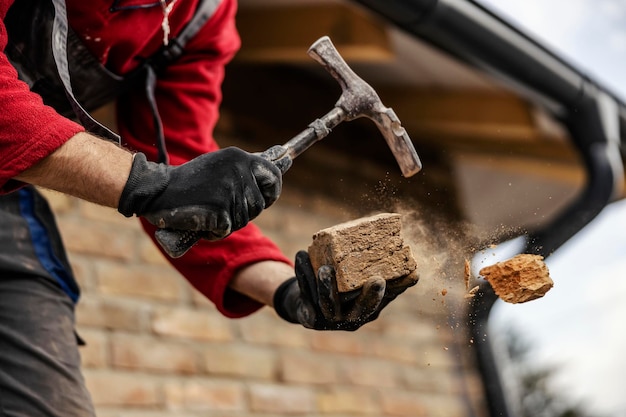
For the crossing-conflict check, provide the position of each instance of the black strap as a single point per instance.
(59, 51)
(175, 47)
(156, 117)
(165, 56)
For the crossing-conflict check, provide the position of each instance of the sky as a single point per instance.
(579, 324)
(591, 34)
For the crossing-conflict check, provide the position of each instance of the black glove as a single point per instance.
(215, 193)
(315, 303)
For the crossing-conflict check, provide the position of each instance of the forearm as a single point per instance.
(86, 167)
(259, 281)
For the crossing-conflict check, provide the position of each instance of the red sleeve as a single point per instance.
(29, 130)
(188, 96)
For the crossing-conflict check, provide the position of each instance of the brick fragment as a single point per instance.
(363, 248)
(520, 279)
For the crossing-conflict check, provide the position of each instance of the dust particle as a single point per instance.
(467, 274)
(471, 293)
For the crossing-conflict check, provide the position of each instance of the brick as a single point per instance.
(98, 238)
(280, 399)
(149, 354)
(112, 314)
(404, 327)
(368, 372)
(83, 269)
(393, 349)
(404, 404)
(429, 380)
(159, 283)
(240, 361)
(267, 328)
(198, 299)
(308, 368)
(339, 342)
(442, 405)
(363, 248)
(349, 401)
(202, 395)
(95, 354)
(115, 389)
(438, 356)
(191, 324)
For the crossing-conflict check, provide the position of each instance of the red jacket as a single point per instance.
(188, 96)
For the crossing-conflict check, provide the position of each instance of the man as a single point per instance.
(172, 102)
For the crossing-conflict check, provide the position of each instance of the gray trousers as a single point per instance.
(39, 359)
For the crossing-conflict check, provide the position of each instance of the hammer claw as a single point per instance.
(359, 99)
(399, 142)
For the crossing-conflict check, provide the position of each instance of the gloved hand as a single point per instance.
(215, 193)
(315, 303)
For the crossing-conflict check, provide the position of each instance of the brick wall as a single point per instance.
(156, 348)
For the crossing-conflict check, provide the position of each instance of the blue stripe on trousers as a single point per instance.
(43, 247)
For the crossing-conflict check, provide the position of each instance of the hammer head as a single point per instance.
(359, 99)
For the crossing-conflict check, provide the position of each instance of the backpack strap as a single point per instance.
(59, 51)
(175, 47)
(166, 55)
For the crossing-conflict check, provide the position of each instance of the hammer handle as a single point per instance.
(177, 242)
(316, 131)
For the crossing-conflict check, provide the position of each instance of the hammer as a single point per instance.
(358, 99)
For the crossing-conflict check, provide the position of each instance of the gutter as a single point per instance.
(594, 117)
